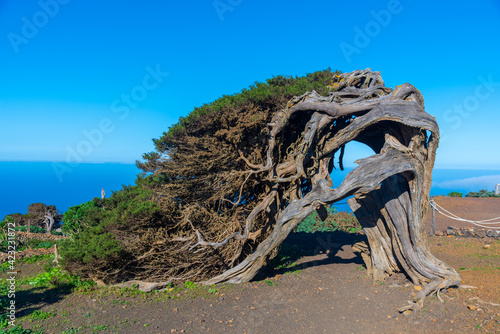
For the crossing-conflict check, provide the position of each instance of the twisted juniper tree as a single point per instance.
(228, 186)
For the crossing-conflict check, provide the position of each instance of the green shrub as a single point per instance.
(33, 229)
(109, 235)
(35, 243)
(455, 194)
(335, 221)
(79, 216)
(482, 194)
(90, 224)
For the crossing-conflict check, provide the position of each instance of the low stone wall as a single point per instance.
(24, 236)
(27, 253)
(469, 232)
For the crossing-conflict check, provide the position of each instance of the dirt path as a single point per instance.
(326, 291)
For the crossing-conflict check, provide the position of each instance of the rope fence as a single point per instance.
(493, 223)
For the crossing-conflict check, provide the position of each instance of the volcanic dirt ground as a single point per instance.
(316, 284)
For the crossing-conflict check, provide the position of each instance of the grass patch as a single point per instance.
(270, 282)
(19, 330)
(101, 328)
(41, 315)
(72, 330)
(38, 258)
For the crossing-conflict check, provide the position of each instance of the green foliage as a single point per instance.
(53, 276)
(90, 224)
(38, 258)
(79, 216)
(455, 194)
(101, 328)
(19, 330)
(313, 223)
(190, 285)
(41, 315)
(4, 224)
(482, 193)
(335, 221)
(270, 283)
(91, 244)
(112, 233)
(33, 229)
(43, 279)
(260, 93)
(4, 267)
(72, 330)
(35, 243)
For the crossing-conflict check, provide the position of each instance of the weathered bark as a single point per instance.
(49, 222)
(240, 180)
(391, 188)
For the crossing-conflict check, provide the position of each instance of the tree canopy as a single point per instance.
(228, 183)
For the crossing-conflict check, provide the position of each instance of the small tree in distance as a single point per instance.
(46, 216)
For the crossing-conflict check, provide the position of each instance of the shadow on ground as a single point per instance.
(35, 298)
(303, 250)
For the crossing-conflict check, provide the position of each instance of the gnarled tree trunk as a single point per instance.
(234, 182)
(390, 188)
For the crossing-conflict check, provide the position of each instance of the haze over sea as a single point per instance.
(23, 183)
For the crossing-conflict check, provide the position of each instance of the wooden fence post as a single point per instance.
(433, 224)
(28, 234)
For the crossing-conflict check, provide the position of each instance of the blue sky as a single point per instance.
(87, 81)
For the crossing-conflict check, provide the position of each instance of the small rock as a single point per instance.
(491, 233)
(450, 231)
(439, 233)
(469, 233)
(472, 307)
(486, 246)
(394, 286)
(175, 309)
(480, 233)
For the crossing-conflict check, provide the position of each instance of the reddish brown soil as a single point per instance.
(465, 207)
(326, 291)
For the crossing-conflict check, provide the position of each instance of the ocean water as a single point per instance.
(23, 183)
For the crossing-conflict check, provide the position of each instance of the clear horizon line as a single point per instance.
(133, 163)
(79, 163)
